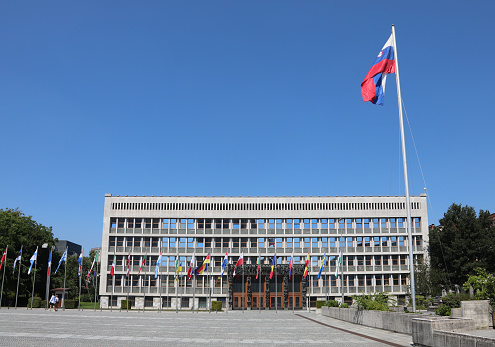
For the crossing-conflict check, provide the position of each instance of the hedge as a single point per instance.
(36, 302)
(216, 305)
(125, 304)
(71, 303)
(320, 303)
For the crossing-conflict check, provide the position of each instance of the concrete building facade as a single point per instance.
(370, 231)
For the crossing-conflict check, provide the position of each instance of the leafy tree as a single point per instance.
(16, 230)
(483, 284)
(464, 242)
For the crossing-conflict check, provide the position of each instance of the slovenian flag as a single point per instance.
(80, 261)
(64, 258)
(274, 262)
(224, 264)
(373, 86)
(306, 267)
(49, 264)
(158, 262)
(239, 262)
(322, 265)
(32, 260)
(17, 259)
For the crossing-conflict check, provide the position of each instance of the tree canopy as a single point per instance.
(463, 242)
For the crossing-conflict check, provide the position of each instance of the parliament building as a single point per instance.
(370, 232)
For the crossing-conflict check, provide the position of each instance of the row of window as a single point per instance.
(262, 242)
(297, 223)
(262, 206)
(312, 280)
(348, 260)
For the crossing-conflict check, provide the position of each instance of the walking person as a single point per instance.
(53, 301)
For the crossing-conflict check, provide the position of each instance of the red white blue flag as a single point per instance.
(49, 264)
(373, 86)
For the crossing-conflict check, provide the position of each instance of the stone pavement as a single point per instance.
(68, 328)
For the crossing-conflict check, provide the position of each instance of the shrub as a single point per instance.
(443, 310)
(71, 303)
(454, 300)
(216, 305)
(376, 302)
(125, 304)
(36, 302)
(344, 305)
(332, 303)
(42, 304)
(320, 303)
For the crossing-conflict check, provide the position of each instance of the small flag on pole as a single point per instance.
(176, 272)
(306, 267)
(274, 263)
(4, 256)
(291, 262)
(112, 270)
(158, 262)
(128, 264)
(224, 264)
(64, 258)
(80, 261)
(190, 269)
(143, 263)
(17, 259)
(339, 262)
(259, 264)
(239, 262)
(49, 263)
(204, 266)
(32, 260)
(322, 265)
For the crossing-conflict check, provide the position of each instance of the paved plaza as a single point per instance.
(38, 327)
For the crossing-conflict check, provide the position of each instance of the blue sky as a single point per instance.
(238, 98)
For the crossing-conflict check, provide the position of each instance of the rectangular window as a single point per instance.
(395, 279)
(201, 224)
(138, 223)
(173, 223)
(367, 241)
(235, 242)
(253, 224)
(271, 224)
(261, 224)
(386, 280)
(130, 223)
(226, 242)
(314, 224)
(360, 260)
(165, 223)
(235, 223)
(172, 242)
(128, 242)
(418, 241)
(254, 242)
(378, 260)
(155, 223)
(306, 223)
(297, 224)
(331, 223)
(417, 223)
(350, 261)
(403, 260)
(218, 224)
(190, 242)
(147, 242)
(289, 242)
(393, 241)
(349, 242)
(359, 223)
(324, 224)
(244, 223)
(261, 242)
(113, 223)
(218, 242)
(147, 223)
(201, 242)
(324, 242)
(395, 259)
(360, 280)
(366, 222)
(401, 222)
(183, 223)
(376, 225)
(208, 223)
(378, 280)
(226, 223)
(401, 241)
(208, 242)
(349, 223)
(392, 222)
(384, 241)
(112, 241)
(182, 242)
(367, 260)
(137, 242)
(279, 224)
(383, 222)
(244, 242)
(359, 241)
(385, 260)
(376, 241)
(307, 242)
(288, 223)
(154, 242)
(314, 242)
(332, 241)
(190, 224)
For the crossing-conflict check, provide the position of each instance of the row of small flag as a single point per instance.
(34, 259)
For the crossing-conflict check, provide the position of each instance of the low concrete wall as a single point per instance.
(392, 321)
(424, 329)
(450, 339)
(479, 311)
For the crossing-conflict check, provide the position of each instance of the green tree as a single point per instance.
(464, 242)
(16, 230)
(483, 284)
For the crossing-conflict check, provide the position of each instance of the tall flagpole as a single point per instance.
(211, 281)
(65, 277)
(18, 278)
(34, 277)
(276, 289)
(406, 181)
(3, 277)
(96, 280)
(242, 300)
(80, 271)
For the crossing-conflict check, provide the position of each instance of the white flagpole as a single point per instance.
(406, 182)
(18, 278)
(34, 277)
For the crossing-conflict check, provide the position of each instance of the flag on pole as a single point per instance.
(224, 264)
(112, 270)
(95, 259)
(373, 85)
(259, 264)
(128, 264)
(80, 261)
(239, 262)
(50, 263)
(339, 262)
(190, 269)
(204, 266)
(274, 263)
(176, 272)
(306, 266)
(322, 265)
(64, 258)
(143, 263)
(291, 263)
(158, 262)
(4, 256)
(17, 259)
(32, 260)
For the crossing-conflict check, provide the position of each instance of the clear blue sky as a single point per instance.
(238, 98)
